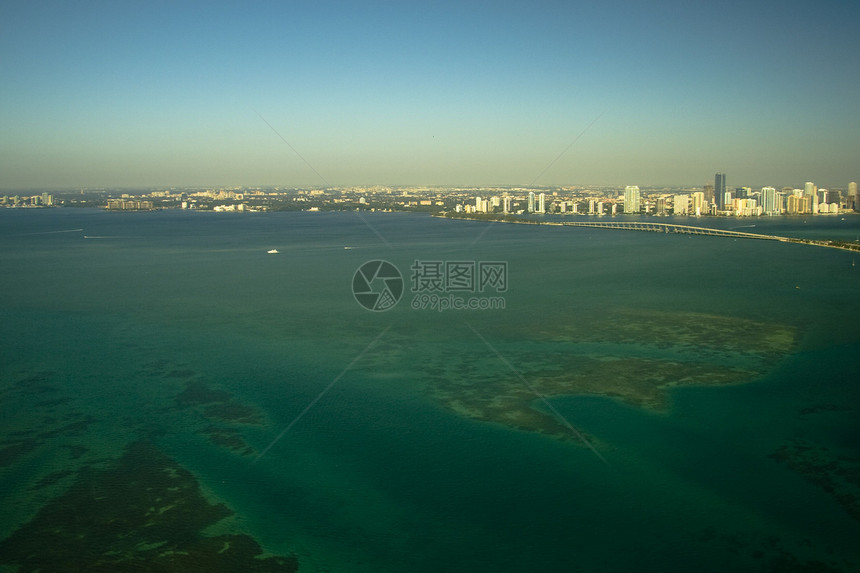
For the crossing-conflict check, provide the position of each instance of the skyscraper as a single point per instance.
(542, 203)
(770, 203)
(531, 201)
(631, 199)
(720, 190)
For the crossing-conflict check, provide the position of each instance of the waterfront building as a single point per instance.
(681, 204)
(798, 205)
(531, 206)
(542, 203)
(129, 205)
(746, 207)
(631, 199)
(697, 206)
(770, 203)
(720, 190)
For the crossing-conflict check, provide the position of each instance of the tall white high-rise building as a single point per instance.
(542, 203)
(681, 204)
(531, 201)
(478, 204)
(631, 199)
(770, 202)
(852, 188)
(507, 201)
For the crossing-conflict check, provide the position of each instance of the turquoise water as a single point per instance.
(108, 317)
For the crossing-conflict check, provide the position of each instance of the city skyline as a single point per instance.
(737, 202)
(336, 93)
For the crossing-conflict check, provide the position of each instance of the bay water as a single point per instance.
(107, 318)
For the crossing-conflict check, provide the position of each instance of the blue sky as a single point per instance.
(112, 94)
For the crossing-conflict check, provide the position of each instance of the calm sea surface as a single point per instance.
(177, 329)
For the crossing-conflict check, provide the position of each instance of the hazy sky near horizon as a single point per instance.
(114, 94)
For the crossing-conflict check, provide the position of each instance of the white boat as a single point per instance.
(272, 251)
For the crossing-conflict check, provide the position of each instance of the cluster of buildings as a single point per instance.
(129, 204)
(38, 200)
(711, 199)
(716, 199)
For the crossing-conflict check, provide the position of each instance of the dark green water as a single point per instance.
(108, 318)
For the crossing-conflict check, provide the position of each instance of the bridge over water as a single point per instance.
(853, 246)
(673, 228)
